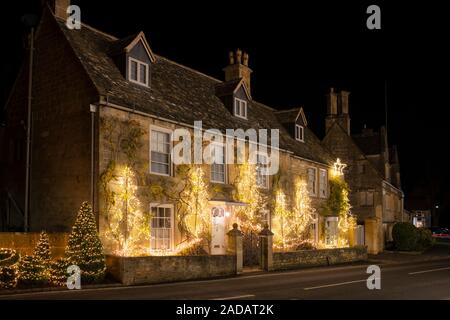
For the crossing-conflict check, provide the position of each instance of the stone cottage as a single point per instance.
(372, 172)
(104, 114)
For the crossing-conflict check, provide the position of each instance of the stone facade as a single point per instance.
(374, 179)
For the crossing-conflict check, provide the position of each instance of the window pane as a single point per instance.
(133, 70)
(143, 73)
(161, 232)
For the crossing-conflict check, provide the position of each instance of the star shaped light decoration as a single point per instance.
(338, 167)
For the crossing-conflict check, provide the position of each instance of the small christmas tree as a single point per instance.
(33, 269)
(42, 249)
(84, 247)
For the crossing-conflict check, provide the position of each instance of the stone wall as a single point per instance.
(24, 243)
(314, 258)
(146, 270)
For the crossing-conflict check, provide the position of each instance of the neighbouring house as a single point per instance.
(105, 111)
(420, 209)
(372, 172)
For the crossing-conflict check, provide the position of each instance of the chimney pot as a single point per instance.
(245, 62)
(231, 56)
(239, 56)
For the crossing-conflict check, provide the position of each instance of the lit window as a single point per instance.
(160, 152)
(262, 179)
(299, 133)
(312, 181)
(240, 108)
(138, 72)
(161, 231)
(323, 183)
(218, 169)
(314, 229)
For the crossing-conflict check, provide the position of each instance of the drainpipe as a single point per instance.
(28, 160)
(93, 109)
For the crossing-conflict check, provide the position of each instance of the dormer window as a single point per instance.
(138, 72)
(299, 133)
(240, 108)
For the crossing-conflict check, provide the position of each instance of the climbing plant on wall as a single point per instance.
(338, 204)
(126, 223)
(247, 191)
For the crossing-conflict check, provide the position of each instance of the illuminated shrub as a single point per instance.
(8, 268)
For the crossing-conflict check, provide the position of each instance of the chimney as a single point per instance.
(343, 102)
(332, 102)
(238, 68)
(337, 110)
(59, 7)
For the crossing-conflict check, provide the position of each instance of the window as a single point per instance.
(312, 182)
(366, 198)
(138, 72)
(262, 179)
(323, 183)
(161, 231)
(240, 108)
(299, 133)
(218, 166)
(160, 152)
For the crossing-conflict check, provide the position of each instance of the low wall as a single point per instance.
(314, 258)
(24, 242)
(154, 269)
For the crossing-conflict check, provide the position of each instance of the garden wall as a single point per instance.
(146, 270)
(314, 258)
(24, 243)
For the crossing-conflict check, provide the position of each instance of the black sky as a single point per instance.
(297, 52)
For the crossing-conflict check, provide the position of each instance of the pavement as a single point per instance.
(402, 277)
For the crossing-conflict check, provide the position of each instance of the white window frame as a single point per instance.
(138, 73)
(299, 129)
(172, 223)
(323, 186)
(164, 130)
(266, 186)
(241, 102)
(315, 181)
(225, 176)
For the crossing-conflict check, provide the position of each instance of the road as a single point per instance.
(419, 280)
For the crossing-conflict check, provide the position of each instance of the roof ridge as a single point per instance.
(93, 29)
(288, 110)
(189, 68)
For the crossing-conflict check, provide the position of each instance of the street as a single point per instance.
(417, 280)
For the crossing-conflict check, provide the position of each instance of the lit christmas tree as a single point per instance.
(34, 270)
(84, 247)
(42, 250)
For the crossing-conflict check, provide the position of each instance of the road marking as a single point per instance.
(335, 284)
(235, 297)
(426, 271)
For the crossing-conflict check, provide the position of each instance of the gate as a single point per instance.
(251, 252)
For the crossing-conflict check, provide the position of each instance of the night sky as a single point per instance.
(297, 52)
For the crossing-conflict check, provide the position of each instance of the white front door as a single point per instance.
(218, 231)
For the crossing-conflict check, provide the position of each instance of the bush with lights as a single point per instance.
(34, 270)
(9, 272)
(84, 247)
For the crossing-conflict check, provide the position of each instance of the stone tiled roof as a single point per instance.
(177, 92)
(287, 116)
(369, 144)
